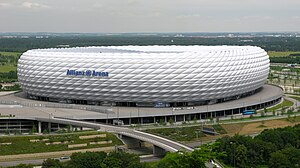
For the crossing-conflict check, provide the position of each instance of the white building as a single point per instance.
(158, 76)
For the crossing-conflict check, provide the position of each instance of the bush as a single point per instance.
(51, 163)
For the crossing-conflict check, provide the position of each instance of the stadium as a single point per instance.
(143, 76)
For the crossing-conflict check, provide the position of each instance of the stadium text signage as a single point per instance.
(91, 73)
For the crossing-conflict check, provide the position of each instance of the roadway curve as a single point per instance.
(163, 143)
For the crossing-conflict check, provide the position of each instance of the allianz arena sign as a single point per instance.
(91, 73)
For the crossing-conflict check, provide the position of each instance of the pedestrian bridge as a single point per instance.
(131, 137)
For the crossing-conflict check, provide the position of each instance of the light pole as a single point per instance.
(106, 116)
(197, 132)
(138, 115)
(118, 114)
(233, 151)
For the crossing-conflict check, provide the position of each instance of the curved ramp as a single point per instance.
(163, 143)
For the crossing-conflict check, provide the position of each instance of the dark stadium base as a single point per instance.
(144, 104)
(185, 117)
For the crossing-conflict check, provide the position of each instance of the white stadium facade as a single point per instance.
(143, 76)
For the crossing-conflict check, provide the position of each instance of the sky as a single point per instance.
(124, 16)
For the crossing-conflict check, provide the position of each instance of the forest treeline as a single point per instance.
(267, 43)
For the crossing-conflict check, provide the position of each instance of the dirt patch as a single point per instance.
(233, 128)
(253, 128)
(250, 128)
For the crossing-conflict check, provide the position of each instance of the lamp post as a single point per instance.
(106, 116)
(138, 115)
(233, 151)
(197, 135)
(197, 131)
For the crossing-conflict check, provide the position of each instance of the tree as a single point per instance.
(262, 114)
(293, 155)
(127, 160)
(241, 156)
(161, 122)
(69, 128)
(197, 158)
(195, 119)
(278, 159)
(88, 159)
(33, 130)
(51, 163)
(171, 121)
(111, 162)
(23, 166)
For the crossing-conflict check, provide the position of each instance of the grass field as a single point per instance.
(10, 53)
(177, 133)
(285, 104)
(22, 144)
(187, 133)
(7, 68)
(254, 127)
(295, 97)
(281, 54)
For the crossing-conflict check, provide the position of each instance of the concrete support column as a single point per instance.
(49, 126)
(131, 142)
(231, 112)
(39, 127)
(166, 119)
(184, 117)
(175, 119)
(141, 120)
(157, 151)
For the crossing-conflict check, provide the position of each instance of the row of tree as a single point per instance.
(287, 59)
(8, 59)
(278, 148)
(274, 148)
(196, 159)
(10, 76)
(268, 43)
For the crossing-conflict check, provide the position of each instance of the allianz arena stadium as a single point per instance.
(154, 76)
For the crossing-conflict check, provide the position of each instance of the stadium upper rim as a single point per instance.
(146, 49)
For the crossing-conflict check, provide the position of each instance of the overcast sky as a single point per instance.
(121, 16)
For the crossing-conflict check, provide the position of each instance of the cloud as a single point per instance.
(4, 5)
(34, 5)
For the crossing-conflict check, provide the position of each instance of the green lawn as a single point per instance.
(285, 103)
(22, 144)
(10, 54)
(281, 54)
(219, 129)
(187, 133)
(178, 133)
(7, 68)
(294, 97)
